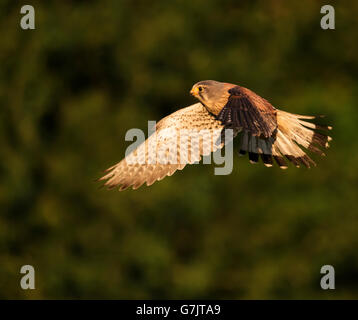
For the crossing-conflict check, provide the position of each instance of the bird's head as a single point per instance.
(210, 93)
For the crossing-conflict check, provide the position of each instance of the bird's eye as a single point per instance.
(200, 89)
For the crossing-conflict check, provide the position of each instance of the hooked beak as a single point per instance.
(194, 91)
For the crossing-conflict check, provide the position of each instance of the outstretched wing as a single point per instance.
(245, 109)
(180, 138)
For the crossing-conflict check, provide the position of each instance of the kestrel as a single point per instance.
(265, 131)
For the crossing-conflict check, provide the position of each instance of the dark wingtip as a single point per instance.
(253, 157)
(242, 153)
(267, 160)
(281, 162)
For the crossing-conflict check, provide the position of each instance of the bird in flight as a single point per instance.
(266, 132)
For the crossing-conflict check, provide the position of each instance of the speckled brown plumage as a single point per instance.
(187, 123)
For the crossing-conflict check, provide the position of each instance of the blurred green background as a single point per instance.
(91, 70)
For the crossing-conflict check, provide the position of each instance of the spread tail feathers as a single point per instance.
(293, 132)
